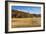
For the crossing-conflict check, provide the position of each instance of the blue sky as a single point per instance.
(29, 9)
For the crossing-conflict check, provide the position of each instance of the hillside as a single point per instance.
(20, 14)
(23, 19)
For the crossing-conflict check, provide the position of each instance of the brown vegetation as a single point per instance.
(20, 14)
(26, 22)
(22, 19)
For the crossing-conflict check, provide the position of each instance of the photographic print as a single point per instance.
(25, 16)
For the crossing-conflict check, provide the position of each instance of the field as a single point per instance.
(23, 19)
(26, 22)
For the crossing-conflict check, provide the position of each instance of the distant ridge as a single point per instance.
(22, 14)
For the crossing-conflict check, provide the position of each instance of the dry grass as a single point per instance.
(26, 22)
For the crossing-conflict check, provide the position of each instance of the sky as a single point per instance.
(28, 9)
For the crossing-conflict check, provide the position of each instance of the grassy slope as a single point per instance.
(26, 21)
(24, 14)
